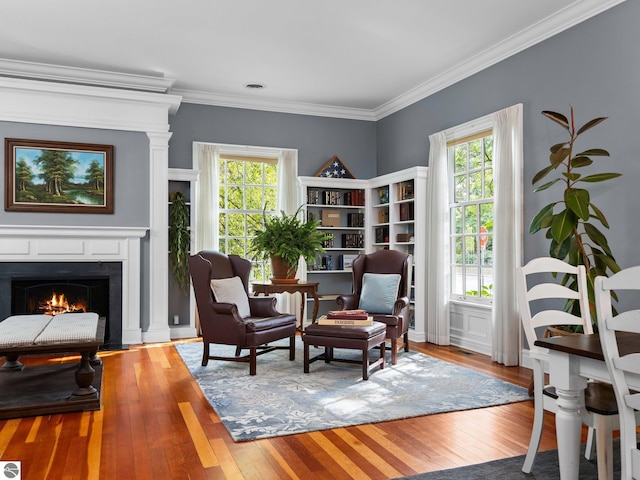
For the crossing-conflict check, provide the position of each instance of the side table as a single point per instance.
(303, 288)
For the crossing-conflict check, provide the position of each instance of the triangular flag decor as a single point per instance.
(334, 168)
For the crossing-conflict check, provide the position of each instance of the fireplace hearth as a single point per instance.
(52, 288)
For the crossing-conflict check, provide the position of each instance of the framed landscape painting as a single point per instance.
(60, 177)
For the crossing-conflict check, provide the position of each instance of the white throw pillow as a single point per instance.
(379, 292)
(231, 290)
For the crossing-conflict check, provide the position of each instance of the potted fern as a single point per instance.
(179, 240)
(573, 222)
(283, 239)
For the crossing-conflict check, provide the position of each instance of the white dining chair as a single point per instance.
(621, 367)
(548, 299)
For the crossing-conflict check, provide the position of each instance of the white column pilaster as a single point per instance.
(158, 329)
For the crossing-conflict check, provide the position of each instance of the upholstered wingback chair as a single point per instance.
(230, 316)
(371, 282)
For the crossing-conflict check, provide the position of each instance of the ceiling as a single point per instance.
(349, 58)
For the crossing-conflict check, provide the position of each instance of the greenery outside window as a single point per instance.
(472, 217)
(246, 187)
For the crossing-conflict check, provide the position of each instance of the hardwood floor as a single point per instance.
(156, 424)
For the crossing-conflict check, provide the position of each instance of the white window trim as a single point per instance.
(456, 133)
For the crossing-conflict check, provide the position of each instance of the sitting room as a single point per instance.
(146, 145)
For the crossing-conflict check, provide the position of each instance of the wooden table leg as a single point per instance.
(12, 364)
(303, 301)
(84, 378)
(316, 304)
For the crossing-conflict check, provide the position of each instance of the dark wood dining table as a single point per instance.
(572, 361)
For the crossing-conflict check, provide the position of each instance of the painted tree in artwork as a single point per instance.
(57, 167)
(24, 175)
(95, 175)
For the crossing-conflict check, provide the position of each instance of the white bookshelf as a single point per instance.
(396, 221)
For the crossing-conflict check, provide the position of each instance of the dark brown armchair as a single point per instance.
(397, 318)
(249, 322)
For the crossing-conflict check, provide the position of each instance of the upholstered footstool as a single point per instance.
(354, 337)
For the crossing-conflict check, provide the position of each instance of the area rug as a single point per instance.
(545, 467)
(282, 400)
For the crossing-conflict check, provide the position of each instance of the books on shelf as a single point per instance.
(405, 190)
(354, 198)
(406, 211)
(383, 215)
(330, 218)
(382, 234)
(332, 197)
(346, 260)
(383, 195)
(352, 240)
(313, 196)
(355, 219)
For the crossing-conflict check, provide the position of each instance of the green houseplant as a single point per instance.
(179, 240)
(286, 238)
(571, 223)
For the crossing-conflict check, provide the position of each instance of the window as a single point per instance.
(246, 187)
(471, 209)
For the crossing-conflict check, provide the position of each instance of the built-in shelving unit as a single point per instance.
(398, 221)
(388, 212)
(340, 205)
(182, 307)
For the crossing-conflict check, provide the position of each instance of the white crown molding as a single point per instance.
(37, 101)
(84, 76)
(571, 15)
(299, 108)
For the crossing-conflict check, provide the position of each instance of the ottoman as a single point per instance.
(355, 337)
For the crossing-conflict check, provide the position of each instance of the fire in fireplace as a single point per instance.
(58, 304)
(55, 296)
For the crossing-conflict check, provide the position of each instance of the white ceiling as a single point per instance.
(350, 58)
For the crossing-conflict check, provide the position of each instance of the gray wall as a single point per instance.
(594, 67)
(131, 175)
(316, 138)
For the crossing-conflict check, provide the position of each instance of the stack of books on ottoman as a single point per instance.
(346, 317)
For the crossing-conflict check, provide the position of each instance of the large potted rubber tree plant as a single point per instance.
(179, 240)
(283, 239)
(572, 222)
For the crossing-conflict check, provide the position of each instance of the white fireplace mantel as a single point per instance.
(84, 244)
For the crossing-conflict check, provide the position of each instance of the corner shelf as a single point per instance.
(394, 218)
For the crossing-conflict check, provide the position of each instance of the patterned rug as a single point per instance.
(282, 400)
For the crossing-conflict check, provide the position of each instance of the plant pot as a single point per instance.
(282, 273)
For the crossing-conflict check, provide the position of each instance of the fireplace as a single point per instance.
(52, 288)
(56, 296)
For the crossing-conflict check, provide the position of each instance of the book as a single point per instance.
(351, 314)
(345, 321)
